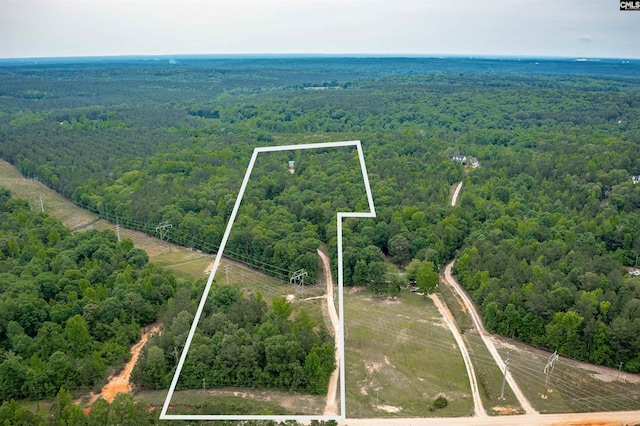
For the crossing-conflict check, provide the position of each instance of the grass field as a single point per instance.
(399, 358)
(575, 386)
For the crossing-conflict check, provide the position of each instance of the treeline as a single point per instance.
(70, 304)
(240, 341)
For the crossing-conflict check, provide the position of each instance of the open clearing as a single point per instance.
(291, 402)
(400, 357)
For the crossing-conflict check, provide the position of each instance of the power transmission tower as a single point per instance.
(118, 230)
(548, 369)
(163, 229)
(297, 278)
(504, 377)
(619, 368)
(41, 203)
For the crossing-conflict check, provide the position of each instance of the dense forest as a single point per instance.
(545, 230)
(241, 342)
(71, 305)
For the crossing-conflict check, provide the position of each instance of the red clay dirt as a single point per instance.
(120, 383)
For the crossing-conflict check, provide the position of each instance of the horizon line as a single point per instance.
(240, 55)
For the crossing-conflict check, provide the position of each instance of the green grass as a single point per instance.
(399, 353)
(293, 403)
(455, 304)
(488, 375)
(489, 378)
(574, 388)
(54, 204)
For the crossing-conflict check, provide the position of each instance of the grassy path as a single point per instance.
(450, 323)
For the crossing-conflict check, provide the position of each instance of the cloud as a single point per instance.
(585, 39)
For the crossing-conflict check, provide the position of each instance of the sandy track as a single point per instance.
(478, 409)
(486, 338)
(331, 408)
(454, 200)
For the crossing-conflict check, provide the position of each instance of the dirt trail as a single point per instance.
(486, 338)
(478, 409)
(454, 200)
(120, 383)
(331, 408)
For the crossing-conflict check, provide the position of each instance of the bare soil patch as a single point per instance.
(506, 411)
(120, 383)
(389, 408)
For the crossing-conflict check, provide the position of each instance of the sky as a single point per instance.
(542, 28)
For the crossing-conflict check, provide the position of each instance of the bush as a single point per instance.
(440, 402)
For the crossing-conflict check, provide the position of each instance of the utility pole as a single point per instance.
(41, 203)
(298, 278)
(226, 272)
(118, 230)
(548, 369)
(204, 388)
(619, 368)
(36, 396)
(504, 377)
(163, 229)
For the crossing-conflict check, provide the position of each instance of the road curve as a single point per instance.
(331, 407)
(478, 409)
(486, 338)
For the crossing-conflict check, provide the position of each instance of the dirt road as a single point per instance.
(486, 338)
(565, 419)
(454, 200)
(331, 407)
(120, 383)
(478, 409)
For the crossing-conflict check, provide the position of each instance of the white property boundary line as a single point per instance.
(216, 264)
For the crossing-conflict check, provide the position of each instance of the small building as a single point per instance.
(292, 170)
(474, 162)
(635, 178)
(460, 158)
